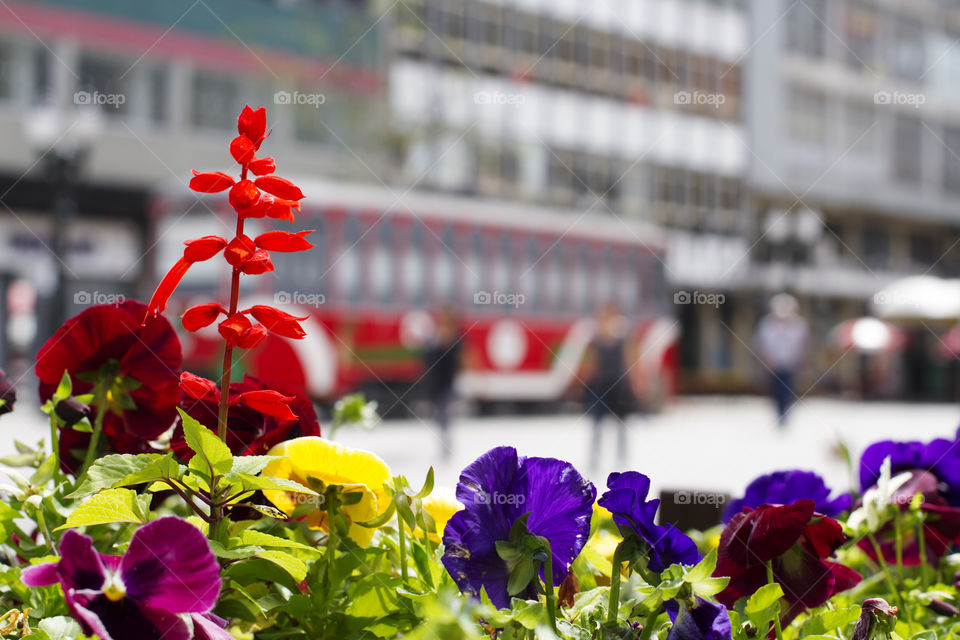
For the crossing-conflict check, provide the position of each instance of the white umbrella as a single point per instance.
(867, 335)
(918, 298)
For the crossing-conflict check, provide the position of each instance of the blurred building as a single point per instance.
(853, 170)
(613, 108)
(101, 100)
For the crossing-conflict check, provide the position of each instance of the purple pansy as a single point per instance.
(941, 457)
(705, 621)
(496, 490)
(164, 586)
(626, 499)
(786, 487)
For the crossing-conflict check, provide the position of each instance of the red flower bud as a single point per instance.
(252, 123)
(204, 248)
(252, 337)
(258, 263)
(158, 302)
(239, 250)
(198, 388)
(267, 401)
(210, 181)
(242, 149)
(283, 241)
(201, 315)
(279, 187)
(263, 166)
(233, 327)
(277, 321)
(244, 194)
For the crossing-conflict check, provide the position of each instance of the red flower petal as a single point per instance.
(252, 337)
(198, 388)
(258, 263)
(263, 166)
(283, 241)
(776, 528)
(267, 401)
(277, 321)
(242, 149)
(158, 302)
(282, 209)
(244, 194)
(210, 181)
(239, 250)
(823, 536)
(233, 327)
(201, 315)
(253, 124)
(280, 187)
(203, 248)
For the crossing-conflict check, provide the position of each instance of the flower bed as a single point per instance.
(169, 506)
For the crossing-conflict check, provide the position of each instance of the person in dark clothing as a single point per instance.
(441, 362)
(608, 385)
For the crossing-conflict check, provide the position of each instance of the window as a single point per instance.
(381, 265)
(214, 100)
(876, 248)
(349, 267)
(923, 251)
(41, 88)
(806, 115)
(445, 266)
(859, 130)
(862, 26)
(414, 276)
(905, 49)
(102, 82)
(6, 70)
(951, 160)
(908, 141)
(806, 33)
(158, 89)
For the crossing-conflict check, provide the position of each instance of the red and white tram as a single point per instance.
(523, 280)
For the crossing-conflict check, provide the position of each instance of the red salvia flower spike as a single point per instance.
(267, 401)
(243, 195)
(242, 149)
(201, 315)
(258, 263)
(198, 388)
(233, 327)
(283, 241)
(239, 250)
(280, 187)
(262, 166)
(203, 248)
(158, 302)
(211, 181)
(253, 124)
(252, 337)
(278, 322)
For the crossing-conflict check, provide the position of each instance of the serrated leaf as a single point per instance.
(703, 569)
(266, 483)
(204, 443)
(110, 505)
(296, 567)
(250, 464)
(108, 472)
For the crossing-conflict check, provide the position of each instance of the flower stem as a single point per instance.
(548, 589)
(886, 573)
(776, 620)
(226, 369)
(923, 555)
(648, 624)
(402, 539)
(94, 446)
(55, 445)
(899, 542)
(613, 607)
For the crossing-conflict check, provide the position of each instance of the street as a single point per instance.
(698, 443)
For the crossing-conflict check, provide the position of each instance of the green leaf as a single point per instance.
(296, 567)
(427, 488)
(254, 537)
(249, 482)
(60, 628)
(704, 568)
(763, 598)
(110, 471)
(44, 472)
(206, 444)
(65, 388)
(111, 505)
(251, 464)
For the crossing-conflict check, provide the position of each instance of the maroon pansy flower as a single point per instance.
(797, 542)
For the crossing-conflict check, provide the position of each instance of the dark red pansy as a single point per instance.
(201, 315)
(210, 181)
(283, 241)
(148, 352)
(277, 321)
(239, 250)
(249, 431)
(252, 123)
(280, 187)
(262, 166)
(796, 541)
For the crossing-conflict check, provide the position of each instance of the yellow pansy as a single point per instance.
(334, 464)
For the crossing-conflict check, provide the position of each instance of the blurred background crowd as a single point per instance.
(491, 173)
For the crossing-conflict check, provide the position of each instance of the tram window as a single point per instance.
(527, 267)
(500, 280)
(382, 270)
(629, 284)
(577, 296)
(475, 267)
(349, 266)
(302, 273)
(444, 266)
(413, 267)
(604, 276)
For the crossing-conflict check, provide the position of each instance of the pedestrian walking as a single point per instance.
(780, 343)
